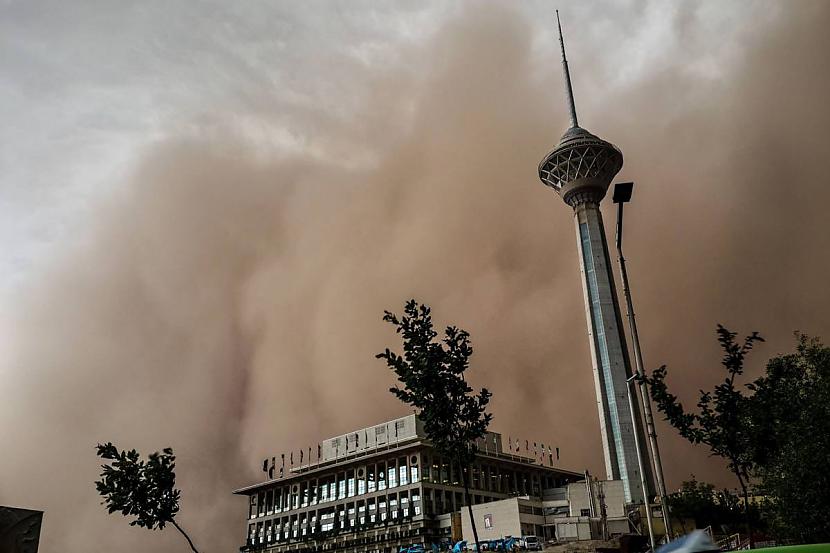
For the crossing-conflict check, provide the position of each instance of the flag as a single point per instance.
(271, 468)
(550, 459)
(282, 471)
(319, 451)
(283, 459)
(291, 458)
(509, 444)
(527, 445)
(265, 465)
(301, 456)
(557, 453)
(543, 453)
(309, 455)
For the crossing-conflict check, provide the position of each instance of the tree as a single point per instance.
(141, 489)
(432, 375)
(790, 412)
(722, 421)
(706, 505)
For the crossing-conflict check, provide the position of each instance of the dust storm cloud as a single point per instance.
(226, 302)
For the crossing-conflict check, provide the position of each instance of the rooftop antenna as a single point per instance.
(570, 90)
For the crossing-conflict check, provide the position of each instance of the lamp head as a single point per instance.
(622, 192)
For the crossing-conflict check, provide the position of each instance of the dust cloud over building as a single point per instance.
(228, 295)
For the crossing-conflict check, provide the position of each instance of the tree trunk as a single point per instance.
(469, 506)
(189, 541)
(746, 514)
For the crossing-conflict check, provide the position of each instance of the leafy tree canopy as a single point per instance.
(721, 421)
(144, 490)
(432, 376)
(706, 505)
(790, 414)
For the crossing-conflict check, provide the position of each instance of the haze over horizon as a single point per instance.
(206, 209)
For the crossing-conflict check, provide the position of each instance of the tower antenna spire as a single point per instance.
(568, 88)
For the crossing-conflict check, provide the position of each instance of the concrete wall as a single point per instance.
(366, 439)
(614, 498)
(503, 519)
(574, 528)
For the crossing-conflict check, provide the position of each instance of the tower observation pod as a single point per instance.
(580, 169)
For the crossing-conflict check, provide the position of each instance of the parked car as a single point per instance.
(532, 543)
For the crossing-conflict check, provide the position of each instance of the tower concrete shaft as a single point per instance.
(609, 355)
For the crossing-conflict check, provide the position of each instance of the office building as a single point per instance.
(378, 488)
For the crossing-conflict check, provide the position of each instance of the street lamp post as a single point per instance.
(622, 195)
(641, 461)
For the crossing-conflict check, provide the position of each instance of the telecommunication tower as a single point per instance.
(580, 169)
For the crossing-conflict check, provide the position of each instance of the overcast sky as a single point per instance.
(206, 206)
(87, 84)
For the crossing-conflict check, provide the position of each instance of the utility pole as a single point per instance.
(622, 195)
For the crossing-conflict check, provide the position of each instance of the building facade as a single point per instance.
(382, 487)
(588, 509)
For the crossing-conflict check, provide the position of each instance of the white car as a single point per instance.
(532, 543)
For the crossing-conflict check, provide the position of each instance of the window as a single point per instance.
(351, 515)
(350, 481)
(370, 477)
(585, 512)
(372, 510)
(402, 472)
(361, 481)
(426, 468)
(405, 504)
(327, 521)
(391, 475)
(416, 502)
(399, 428)
(413, 469)
(381, 476)
(341, 485)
